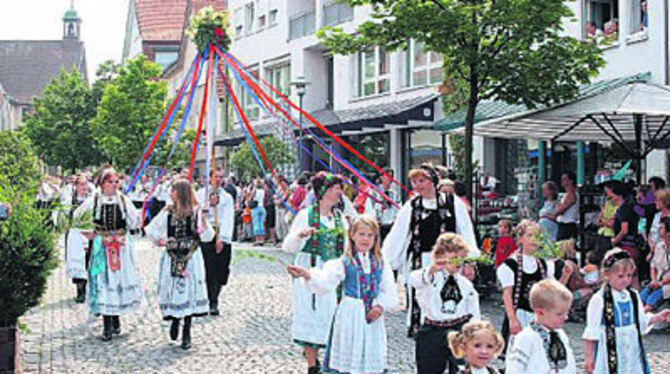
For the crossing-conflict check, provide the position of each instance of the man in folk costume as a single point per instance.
(217, 252)
(114, 286)
(418, 225)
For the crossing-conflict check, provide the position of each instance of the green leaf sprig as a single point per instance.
(483, 259)
(549, 249)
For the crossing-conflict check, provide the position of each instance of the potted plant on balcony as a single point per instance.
(27, 254)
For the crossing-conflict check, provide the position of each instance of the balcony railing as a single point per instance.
(302, 25)
(337, 13)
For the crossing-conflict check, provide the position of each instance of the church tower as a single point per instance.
(71, 23)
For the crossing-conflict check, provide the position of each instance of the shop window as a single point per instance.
(249, 17)
(374, 68)
(639, 21)
(421, 67)
(602, 21)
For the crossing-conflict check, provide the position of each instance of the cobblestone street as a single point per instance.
(250, 336)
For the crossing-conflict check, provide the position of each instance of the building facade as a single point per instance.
(381, 102)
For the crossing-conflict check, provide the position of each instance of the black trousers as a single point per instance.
(567, 231)
(217, 269)
(384, 231)
(432, 350)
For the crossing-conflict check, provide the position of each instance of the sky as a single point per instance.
(102, 28)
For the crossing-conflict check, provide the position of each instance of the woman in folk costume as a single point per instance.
(358, 338)
(182, 292)
(317, 235)
(114, 285)
(76, 246)
(418, 225)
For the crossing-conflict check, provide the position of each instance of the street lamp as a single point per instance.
(300, 84)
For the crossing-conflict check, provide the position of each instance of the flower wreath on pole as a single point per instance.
(210, 27)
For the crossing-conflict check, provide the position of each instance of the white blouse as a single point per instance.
(428, 290)
(506, 275)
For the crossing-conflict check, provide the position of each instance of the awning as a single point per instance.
(375, 116)
(488, 112)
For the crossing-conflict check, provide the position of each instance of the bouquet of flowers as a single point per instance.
(210, 27)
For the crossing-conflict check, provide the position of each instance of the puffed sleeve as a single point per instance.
(464, 227)
(157, 228)
(505, 275)
(521, 353)
(227, 223)
(472, 302)
(85, 207)
(133, 215)
(551, 268)
(327, 278)
(207, 234)
(388, 291)
(594, 318)
(420, 279)
(397, 240)
(293, 242)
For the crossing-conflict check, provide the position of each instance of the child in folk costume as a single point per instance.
(517, 275)
(317, 235)
(478, 343)
(76, 246)
(182, 292)
(358, 339)
(616, 321)
(114, 284)
(543, 347)
(447, 299)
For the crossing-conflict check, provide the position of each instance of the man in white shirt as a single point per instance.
(219, 207)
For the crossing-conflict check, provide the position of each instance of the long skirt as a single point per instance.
(355, 345)
(75, 255)
(116, 292)
(312, 313)
(182, 297)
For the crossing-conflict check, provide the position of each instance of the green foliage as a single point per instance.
(244, 162)
(18, 162)
(511, 50)
(60, 126)
(131, 108)
(27, 255)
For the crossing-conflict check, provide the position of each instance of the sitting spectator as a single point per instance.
(659, 287)
(506, 244)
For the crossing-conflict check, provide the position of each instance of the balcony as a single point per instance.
(302, 25)
(336, 13)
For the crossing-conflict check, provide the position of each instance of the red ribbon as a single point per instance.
(194, 148)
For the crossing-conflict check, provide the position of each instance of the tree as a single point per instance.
(510, 50)
(60, 126)
(131, 108)
(18, 163)
(246, 165)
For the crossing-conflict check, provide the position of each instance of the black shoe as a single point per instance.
(107, 328)
(314, 370)
(116, 325)
(186, 334)
(81, 293)
(214, 310)
(174, 329)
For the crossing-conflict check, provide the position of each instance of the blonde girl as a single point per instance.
(518, 274)
(478, 343)
(616, 321)
(357, 343)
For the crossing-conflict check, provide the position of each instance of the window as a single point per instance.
(249, 11)
(602, 24)
(422, 68)
(249, 105)
(639, 21)
(166, 58)
(238, 21)
(301, 25)
(280, 78)
(261, 10)
(273, 16)
(336, 13)
(374, 72)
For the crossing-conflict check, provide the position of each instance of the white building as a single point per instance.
(383, 104)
